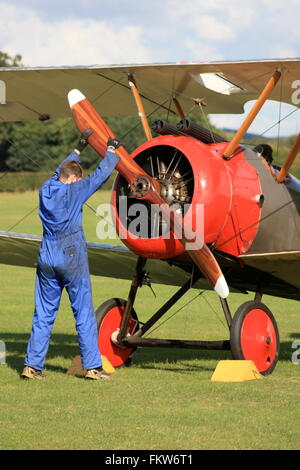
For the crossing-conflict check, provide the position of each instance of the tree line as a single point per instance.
(40, 145)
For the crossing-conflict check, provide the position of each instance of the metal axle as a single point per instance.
(133, 341)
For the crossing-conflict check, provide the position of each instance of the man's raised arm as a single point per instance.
(93, 182)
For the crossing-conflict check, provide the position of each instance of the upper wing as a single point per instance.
(39, 93)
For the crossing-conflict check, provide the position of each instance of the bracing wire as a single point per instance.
(276, 123)
(215, 312)
(207, 122)
(174, 313)
(23, 218)
(200, 293)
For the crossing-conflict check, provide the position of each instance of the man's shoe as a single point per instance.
(31, 373)
(97, 374)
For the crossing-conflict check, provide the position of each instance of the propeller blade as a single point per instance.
(86, 117)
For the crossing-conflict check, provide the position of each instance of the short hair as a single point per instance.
(70, 168)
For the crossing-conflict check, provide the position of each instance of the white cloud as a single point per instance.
(284, 51)
(217, 20)
(209, 28)
(239, 29)
(68, 42)
(271, 113)
(279, 5)
(204, 51)
(82, 31)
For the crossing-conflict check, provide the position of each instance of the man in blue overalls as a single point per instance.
(63, 260)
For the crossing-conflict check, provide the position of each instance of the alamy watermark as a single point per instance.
(2, 92)
(296, 93)
(296, 353)
(2, 353)
(142, 220)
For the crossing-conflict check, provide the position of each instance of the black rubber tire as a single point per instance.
(102, 311)
(236, 334)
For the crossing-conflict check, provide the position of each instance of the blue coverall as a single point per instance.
(63, 262)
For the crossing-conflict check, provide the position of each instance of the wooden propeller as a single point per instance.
(86, 117)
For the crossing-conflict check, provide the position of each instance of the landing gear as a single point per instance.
(109, 318)
(254, 336)
(253, 331)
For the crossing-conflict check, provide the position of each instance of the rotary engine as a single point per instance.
(194, 182)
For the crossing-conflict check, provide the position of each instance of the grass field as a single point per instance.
(165, 400)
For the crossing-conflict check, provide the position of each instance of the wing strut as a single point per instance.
(178, 108)
(289, 161)
(140, 107)
(233, 144)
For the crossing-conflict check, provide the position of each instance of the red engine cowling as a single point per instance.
(191, 174)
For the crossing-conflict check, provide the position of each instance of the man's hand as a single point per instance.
(113, 144)
(82, 143)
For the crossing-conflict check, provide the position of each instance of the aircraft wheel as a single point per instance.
(109, 316)
(254, 336)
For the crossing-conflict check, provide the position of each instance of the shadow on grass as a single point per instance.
(295, 335)
(177, 360)
(16, 345)
(167, 359)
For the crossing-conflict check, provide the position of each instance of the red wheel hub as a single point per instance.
(258, 339)
(116, 355)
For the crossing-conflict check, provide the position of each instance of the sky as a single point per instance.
(86, 32)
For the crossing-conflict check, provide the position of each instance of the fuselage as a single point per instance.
(245, 213)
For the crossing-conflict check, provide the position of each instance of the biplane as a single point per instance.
(251, 224)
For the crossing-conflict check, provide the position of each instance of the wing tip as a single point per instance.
(74, 96)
